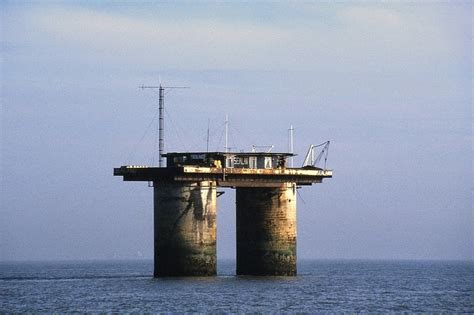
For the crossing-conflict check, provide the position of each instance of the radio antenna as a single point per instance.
(226, 146)
(161, 119)
(291, 143)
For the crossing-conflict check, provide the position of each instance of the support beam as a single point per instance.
(185, 228)
(266, 230)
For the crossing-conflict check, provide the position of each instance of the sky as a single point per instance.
(388, 83)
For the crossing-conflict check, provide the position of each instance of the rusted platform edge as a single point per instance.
(225, 177)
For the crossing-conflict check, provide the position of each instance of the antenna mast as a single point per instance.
(226, 147)
(290, 143)
(161, 119)
(207, 142)
(161, 125)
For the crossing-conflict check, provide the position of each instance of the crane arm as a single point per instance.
(310, 160)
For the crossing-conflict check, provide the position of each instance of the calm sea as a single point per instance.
(337, 286)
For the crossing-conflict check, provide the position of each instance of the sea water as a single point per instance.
(321, 286)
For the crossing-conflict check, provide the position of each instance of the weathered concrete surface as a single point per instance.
(225, 177)
(266, 231)
(185, 228)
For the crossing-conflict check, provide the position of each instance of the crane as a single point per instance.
(310, 160)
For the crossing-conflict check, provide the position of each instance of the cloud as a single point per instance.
(177, 44)
(420, 32)
(347, 38)
(374, 17)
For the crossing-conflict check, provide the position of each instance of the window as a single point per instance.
(268, 162)
(253, 162)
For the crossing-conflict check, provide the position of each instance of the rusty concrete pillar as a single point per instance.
(185, 228)
(266, 231)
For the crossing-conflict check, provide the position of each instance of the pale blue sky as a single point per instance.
(388, 84)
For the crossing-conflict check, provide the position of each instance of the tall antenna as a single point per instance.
(226, 147)
(290, 143)
(207, 142)
(161, 119)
